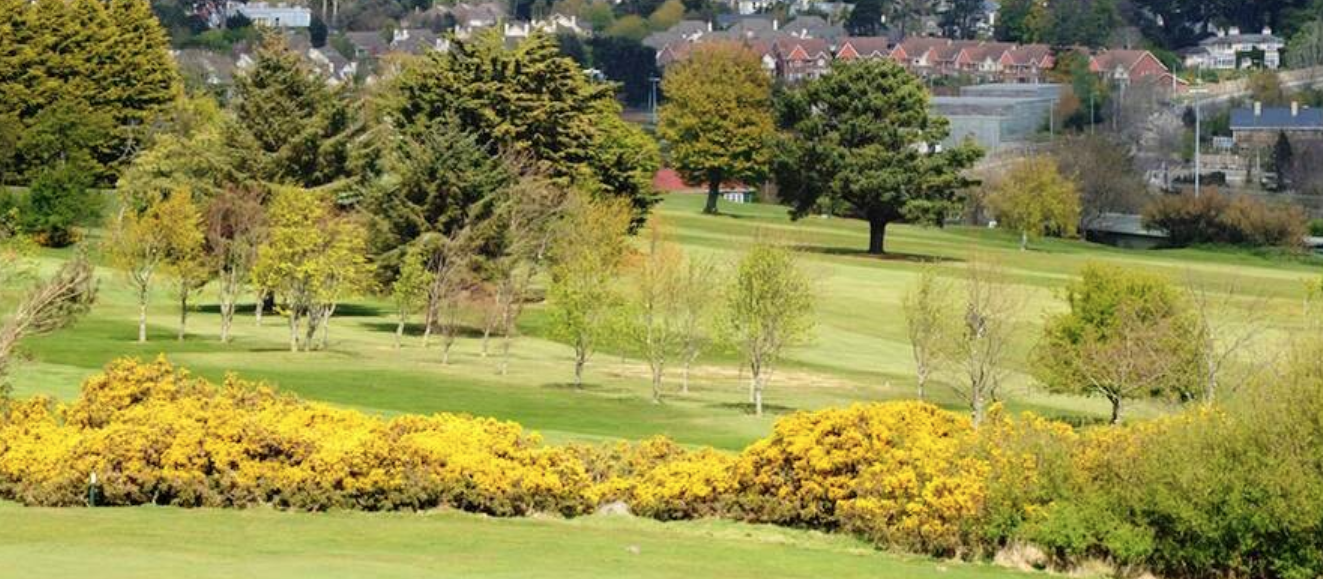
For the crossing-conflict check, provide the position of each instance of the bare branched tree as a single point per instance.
(983, 335)
(529, 217)
(1226, 331)
(52, 304)
(927, 322)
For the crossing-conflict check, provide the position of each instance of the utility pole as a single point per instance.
(1198, 137)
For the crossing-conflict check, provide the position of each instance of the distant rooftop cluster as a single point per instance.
(806, 46)
(340, 61)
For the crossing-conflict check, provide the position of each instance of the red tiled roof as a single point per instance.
(864, 47)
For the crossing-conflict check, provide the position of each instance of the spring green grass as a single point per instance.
(860, 353)
(38, 543)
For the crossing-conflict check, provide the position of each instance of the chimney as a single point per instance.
(709, 26)
(1258, 109)
(1267, 31)
(1295, 108)
(776, 25)
(1221, 32)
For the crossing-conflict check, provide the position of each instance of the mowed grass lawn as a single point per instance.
(859, 353)
(120, 543)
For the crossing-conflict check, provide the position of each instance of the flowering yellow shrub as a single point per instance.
(903, 474)
(1029, 462)
(152, 433)
(696, 485)
(890, 463)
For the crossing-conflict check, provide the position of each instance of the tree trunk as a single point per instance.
(227, 318)
(877, 234)
(578, 370)
(713, 193)
(399, 332)
(656, 385)
(142, 318)
(486, 338)
(183, 315)
(1024, 240)
(1116, 409)
(923, 381)
(684, 378)
(293, 331)
(757, 385)
(259, 308)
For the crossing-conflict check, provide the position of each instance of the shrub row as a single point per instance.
(1215, 218)
(1201, 494)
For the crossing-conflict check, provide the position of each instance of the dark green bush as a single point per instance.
(60, 200)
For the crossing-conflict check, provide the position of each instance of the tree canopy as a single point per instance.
(528, 100)
(717, 118)
(1127, 335)
(110, 58)
(863, 135)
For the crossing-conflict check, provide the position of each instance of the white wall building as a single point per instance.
(1220, 52)
(273, 15)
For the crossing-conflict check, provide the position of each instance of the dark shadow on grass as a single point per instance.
(587, 387)
(342, 310)
(416, 329)
(892, 256)
(747, 408)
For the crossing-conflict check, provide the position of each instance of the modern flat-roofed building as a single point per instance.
(993, 121)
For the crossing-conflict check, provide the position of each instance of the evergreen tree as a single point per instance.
(865, 18)
(442, 180)
(528, 100)
(301, 130)
(862, 134)
(1282, 156)
(111, 59)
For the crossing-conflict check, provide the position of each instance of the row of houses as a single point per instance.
(794, 57)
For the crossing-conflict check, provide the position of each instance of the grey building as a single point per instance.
(993, 121)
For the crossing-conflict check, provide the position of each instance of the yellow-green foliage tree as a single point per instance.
(1127, 335)
(768, 307)
(1035, 199)
(142, 242)
(186, 251)
(717, 117)
(313, 258)
(409, 290)
(588, 254)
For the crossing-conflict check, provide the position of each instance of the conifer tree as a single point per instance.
(530, 101)
(299, 128)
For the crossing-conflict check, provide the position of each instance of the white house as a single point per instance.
(1220, 52)
(275, 16)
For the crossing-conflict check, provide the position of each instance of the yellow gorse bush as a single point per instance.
(903, 474)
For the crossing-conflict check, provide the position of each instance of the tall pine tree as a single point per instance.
(526, 100)
(300, 130)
